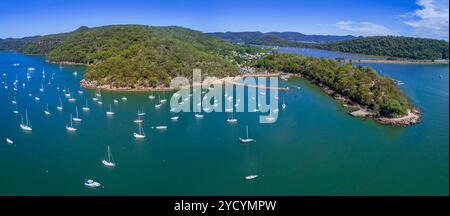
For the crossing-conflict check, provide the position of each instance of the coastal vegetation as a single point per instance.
(393, 47)
(362, 85)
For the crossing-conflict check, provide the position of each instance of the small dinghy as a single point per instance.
(109, 160)
(9, 141)
(91, 183)
(251, 177)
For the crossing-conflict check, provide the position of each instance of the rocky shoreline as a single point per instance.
(413, 117)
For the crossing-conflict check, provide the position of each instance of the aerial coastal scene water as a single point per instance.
(313, 143)
(88, 112)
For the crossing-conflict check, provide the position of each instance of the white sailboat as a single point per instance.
(46, 111)
(283, 105)
(109, 161)
(138, 120)
(110, 112)
(247, 139)
(26, 126)
(86, 107)
(251, 177)
(164, 98)
(41, 89)
(70, 127)
(98, 94)
(161, 127)
(15, 111)
(174, 118)
(151, 97)
(141, 113)
(76, 118)
(159, 104)
(140, 134)
(232, 119)
(60, 105)
(198, 115)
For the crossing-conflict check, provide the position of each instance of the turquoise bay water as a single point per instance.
(314, 148)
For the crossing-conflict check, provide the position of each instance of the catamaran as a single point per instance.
(46, 111)
(86, 107)
(140, 134)
(109, 161)
(77, 118)
(60, 106)
(110, 112)
(91, 183)
(71, 128)
(246, 140)
(26, 126)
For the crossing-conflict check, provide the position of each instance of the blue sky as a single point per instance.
(421, 18)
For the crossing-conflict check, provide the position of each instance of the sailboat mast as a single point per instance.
(26, 116)
(247, 130)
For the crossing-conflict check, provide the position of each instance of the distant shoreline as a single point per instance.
(386, 61)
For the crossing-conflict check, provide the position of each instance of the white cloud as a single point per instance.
(363, 28)
(431, 20)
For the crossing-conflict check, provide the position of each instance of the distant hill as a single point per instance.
(257, 37)
(15, 43)
(389, 46)
(394, 46)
